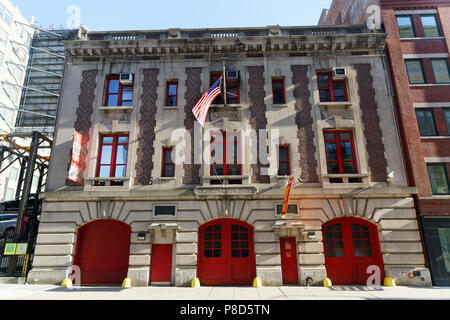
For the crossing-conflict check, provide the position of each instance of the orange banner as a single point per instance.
(286, 197)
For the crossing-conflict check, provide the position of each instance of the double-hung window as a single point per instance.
(438, 178)
(232, 88)
(278, 91)
(112, 158)
(172, 94)
(441, 70)
(226, 156)
(340, 152)
(430, 25)
(331, 90)
(168, 167)
(405, 27)
(447, 119)
(425, 120)
(415, 71)
(118, 94)
(284, 166)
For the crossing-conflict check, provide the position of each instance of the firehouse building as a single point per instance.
(322, 99)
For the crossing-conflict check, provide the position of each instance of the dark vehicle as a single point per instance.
(12, 206)
(7, 225)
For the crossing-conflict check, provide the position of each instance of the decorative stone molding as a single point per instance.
(304, 121)
(83, 122)
(225, 190)
(371, 120)
(145, 152)
(287, 228)
(193, 95)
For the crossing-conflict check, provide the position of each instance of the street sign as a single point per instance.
(21, 249)
(10, 249)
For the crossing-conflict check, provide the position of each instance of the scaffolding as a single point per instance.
(29, 209)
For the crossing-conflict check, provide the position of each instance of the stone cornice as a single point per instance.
(303, 44)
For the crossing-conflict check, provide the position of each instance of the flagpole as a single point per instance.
(224, 83)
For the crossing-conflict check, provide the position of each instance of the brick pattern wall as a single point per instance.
(257, 120)
(83, 122)
(193, 95)
(146, 138)
(372, 132)
(304, 121)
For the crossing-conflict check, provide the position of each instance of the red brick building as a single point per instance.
(418, 50)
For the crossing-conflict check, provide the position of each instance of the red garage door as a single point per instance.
(103, 249)
(351, 246)
(226, 255)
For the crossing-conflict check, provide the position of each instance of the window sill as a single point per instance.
(226, 106)
(116, 109)
(107, 181)
(429, 85)
(226, 177)
(279, 105)
(436, 197)
(345, 179)
(171, 108)
(421, 38)
(167, 178)
(435, 137)
(335, 104)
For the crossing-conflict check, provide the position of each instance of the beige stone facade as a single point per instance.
(292, 54)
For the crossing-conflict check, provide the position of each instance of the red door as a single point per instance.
(103, 250)
(226, 255)
(351, 246)
(289, 260)
(161, 264)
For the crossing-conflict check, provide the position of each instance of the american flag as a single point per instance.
(201, 108)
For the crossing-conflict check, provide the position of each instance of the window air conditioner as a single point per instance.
(126, 78)
(339, 73)
(233, 74)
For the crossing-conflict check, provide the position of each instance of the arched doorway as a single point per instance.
(103, 250)
(226, 253)
(351, 245)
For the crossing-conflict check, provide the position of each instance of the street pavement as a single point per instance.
(49, 292)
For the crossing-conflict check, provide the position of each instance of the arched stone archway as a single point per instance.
(102, 253)
(351, 245)
(226, 253)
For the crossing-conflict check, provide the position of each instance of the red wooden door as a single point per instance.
(226, 254)
(103, 250)
(161, 264)
(289, 260)
(351, 246)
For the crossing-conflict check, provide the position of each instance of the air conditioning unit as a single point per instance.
(126, 78)
(233, 74)
(339, 73)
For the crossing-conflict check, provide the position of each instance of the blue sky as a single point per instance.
(162, 14)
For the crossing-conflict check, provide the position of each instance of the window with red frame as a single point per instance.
(284, 167)
(112, 158)
(168, 169)
(117, 94)
(226, 156)
(172, 94)
(340, 153)
(331, 90)
(233, 90)
(278, 91)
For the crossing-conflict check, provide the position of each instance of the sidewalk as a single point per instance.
(48, 292)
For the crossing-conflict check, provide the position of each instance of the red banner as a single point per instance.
(286, 197)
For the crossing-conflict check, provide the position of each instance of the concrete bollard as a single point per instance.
(389, 282)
